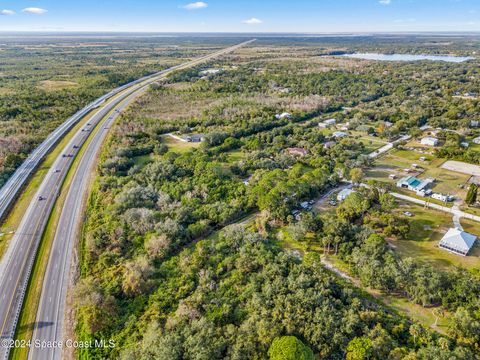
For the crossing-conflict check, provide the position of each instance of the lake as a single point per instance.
(408, 57)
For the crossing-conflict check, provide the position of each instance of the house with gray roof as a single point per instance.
(457, 241)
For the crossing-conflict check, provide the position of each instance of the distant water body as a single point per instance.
(408, 57)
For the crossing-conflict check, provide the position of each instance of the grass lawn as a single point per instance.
(286, 241)
(471, 226)
(447, 182)
(371, 143)
(234, 156)
(177, 145)
(142, 160)
(427, 227)
(471, 210)
(423, 315)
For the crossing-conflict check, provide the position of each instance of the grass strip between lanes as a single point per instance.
(31, 301)
(14, 217)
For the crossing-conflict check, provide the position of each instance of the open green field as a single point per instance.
(423, 315)
(371, 143)
(234, 156)
(177, 145)
(427, 228)
(286, 241)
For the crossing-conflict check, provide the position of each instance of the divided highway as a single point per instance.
(14, 185)
(17, 263)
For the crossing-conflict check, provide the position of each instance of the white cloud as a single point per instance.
(196, 5)
(253, 21)
(34, 10)
(385, 2)
(7, 12)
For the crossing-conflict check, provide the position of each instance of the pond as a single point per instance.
(408, 57)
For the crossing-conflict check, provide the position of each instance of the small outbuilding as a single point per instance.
(284, 115)
(339, 134)
(327, 123)
(197, 138)
(297, 151)
(329, 144)
(429, 141)
(342, 195)
(457, 241)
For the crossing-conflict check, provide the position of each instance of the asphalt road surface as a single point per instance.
(18, 261)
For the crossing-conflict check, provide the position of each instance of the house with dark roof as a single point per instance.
(197, 138)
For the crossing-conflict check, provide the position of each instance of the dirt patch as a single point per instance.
(54, 85)
(461, 167)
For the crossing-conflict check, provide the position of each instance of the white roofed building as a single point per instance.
(457, 241)
(339, 134)
(342, 195)
(429, 141)
(283, 116)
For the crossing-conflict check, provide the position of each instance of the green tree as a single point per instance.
(472, 194)
(360, 348)
(356, 175)
(289, 348)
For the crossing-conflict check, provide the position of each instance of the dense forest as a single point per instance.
(181, 257)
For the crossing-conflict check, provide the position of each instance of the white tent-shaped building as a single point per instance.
(457, 241)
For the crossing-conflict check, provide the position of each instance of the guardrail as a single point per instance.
(12, 188)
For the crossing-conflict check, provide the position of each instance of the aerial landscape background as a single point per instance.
(240, 180)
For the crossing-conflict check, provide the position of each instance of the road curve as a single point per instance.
(17, 263)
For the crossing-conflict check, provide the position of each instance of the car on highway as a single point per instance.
(40, 198)
(75, 146)
(57, 171)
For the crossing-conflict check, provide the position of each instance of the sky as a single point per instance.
(297, 16)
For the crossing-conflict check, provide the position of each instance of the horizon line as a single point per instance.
(374, 32)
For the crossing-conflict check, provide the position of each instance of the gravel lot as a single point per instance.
(462, 167)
